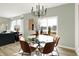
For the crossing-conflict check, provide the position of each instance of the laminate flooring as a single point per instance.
(13, 48)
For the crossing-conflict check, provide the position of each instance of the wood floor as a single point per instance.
(11, 49)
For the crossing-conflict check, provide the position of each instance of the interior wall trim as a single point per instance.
(70, 48)
(66, 47)
(77, 51)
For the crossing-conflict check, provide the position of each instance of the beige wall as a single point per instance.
(66, 23)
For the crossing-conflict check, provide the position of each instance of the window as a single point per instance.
(18, 22)
(44, 23)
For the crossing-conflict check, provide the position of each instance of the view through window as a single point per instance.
(47, 22)
(18, 22)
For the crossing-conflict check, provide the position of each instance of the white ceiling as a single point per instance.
(14, 9)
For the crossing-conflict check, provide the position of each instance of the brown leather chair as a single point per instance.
(57, 40)
(56, 44)
(26, 48)
(48, 48)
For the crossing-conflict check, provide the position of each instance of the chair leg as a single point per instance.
(57, 52)
(22, 54)
(19, 49)
(43, 55)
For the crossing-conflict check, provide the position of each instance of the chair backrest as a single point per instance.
(49, 47)
(25, 46)
(57, 40)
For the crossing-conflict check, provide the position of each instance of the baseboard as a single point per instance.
(70, 48)
(77, 51)
(66, 47)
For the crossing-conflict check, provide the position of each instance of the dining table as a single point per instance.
(41, 38)
(40, 41)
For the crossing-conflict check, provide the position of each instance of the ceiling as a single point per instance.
(9, 10)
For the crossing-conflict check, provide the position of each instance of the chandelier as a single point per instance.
(39, 11)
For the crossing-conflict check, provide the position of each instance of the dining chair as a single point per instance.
(26, 48)
(56, 44)
(57, 40)
(48, 48)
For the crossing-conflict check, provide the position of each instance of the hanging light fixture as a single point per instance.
(39, 10)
